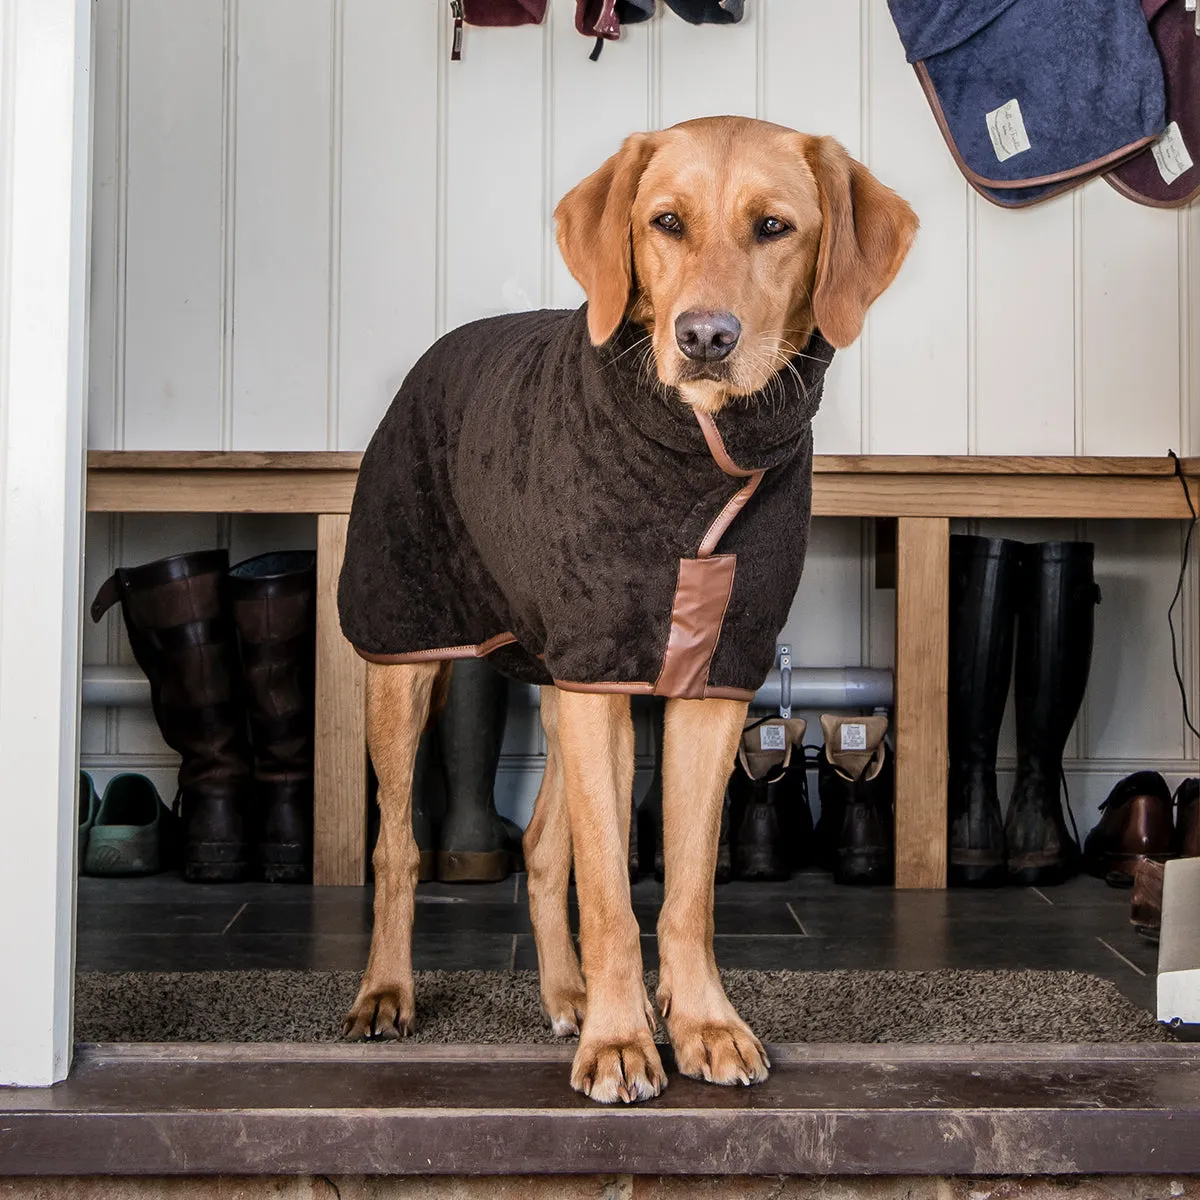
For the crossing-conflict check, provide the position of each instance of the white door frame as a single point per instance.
(45, 106)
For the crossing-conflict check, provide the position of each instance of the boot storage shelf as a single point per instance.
(921, 493)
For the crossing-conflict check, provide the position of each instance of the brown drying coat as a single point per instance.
(535, 498)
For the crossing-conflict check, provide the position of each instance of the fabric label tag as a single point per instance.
(1171, 155)
(854, 737)
(1006, 127)
(771, 737)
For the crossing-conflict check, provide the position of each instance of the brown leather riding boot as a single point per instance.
(1135, 825)
(856, 833)
(183, 640)
(273, 602)
(1187, 819)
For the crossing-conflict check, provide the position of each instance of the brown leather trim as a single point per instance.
(735, 504)
(1088, 168)
(725, 517)
(647, 689)
(630, 689)
(716, 446)
(481, 650)
(697, 614)
(1139, 198)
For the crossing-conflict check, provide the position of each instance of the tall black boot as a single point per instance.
(983, 593)
(273, 600)
(475, 844)
(1055, 621)
(179, 628)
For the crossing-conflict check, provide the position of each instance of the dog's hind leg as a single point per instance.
(548, 861)
(617, 1058)
(709, 1038)
(398, 701)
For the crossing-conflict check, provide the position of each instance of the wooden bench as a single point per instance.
(921, 494)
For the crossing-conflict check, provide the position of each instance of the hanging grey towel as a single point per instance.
(1032, 96)
(1167, 175)
(547, 502)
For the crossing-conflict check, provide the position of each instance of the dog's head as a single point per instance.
(730, 239)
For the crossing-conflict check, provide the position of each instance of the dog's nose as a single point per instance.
(708, 336)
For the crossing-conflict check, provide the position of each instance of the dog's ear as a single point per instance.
(866, 232)
(594, 234)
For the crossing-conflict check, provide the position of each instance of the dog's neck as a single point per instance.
(704, 395)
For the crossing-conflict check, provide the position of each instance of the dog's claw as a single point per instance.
(627, 1071)
(380, 1015)
(725, 1053)
(565, 1011)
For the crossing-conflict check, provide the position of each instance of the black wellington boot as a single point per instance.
(983, 592)
(1055, 620)
(182, 638)
(475, 844)
(272, 598)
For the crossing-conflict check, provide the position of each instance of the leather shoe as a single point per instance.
(1135, 824)
(1187, 819)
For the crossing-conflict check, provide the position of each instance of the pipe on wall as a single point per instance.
(812, 687)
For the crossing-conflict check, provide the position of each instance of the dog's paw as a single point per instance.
(381, 1013)
(724, 1052)
(565, 1008)
(627, 1070)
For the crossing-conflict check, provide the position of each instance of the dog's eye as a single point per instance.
(772, 227)
(668, 223)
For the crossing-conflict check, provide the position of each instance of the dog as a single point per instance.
(551, 489)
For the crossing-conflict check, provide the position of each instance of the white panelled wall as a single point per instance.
(292, 198)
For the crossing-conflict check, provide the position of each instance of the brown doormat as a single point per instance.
(502, 1006)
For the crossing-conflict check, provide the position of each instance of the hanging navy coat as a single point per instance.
(532, 497)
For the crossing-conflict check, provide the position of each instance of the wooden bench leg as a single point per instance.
(340, 767)
(922, 664)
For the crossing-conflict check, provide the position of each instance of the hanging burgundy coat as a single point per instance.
(548, 503)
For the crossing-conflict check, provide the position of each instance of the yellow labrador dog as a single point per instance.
(569, 493)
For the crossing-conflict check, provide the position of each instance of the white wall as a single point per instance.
(293, 197)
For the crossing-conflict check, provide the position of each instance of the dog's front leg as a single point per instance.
(709, 1038)
(616, 1059)
(548, 863)
(398, 700)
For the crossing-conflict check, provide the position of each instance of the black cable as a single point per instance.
(336, 1190)
(1187, 549)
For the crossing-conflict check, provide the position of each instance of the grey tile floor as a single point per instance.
(164, 924)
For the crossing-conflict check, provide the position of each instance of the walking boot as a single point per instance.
(1135, 825)
(855, 779)
(1187, 819)
(1055, 620)
(771, 818)
(475, 844)
(983, 582)
(184, 642)
(273, 602)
